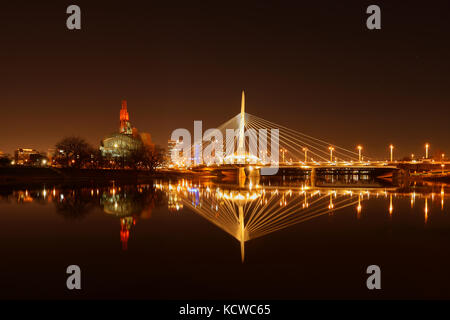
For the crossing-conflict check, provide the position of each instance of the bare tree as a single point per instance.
(145, 158)
(74, 152)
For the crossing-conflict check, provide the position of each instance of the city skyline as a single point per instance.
(336, 81)
(218, 159)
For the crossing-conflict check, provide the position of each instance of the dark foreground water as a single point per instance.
(191, 239)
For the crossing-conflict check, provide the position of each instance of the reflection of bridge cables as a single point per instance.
(247, 214)
(262, 211)
(290, 217)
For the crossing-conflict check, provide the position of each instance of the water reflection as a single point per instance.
(128, 203)
(246, 212)
(258, 209)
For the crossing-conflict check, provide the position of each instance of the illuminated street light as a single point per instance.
(426, 150)
(283, 151)
(392, 152)
(359, 152)
(331, 153)
(305, 150)
(442, 164)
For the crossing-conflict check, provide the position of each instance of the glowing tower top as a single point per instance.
(125, 125)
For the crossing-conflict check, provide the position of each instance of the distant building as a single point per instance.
(120, 144)
(171, 145)
(26, 156)
(4, 159)
(50, 154)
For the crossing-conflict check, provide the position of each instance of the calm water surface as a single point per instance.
(274, 239)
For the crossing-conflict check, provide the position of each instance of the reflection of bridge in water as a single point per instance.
(292, 152)
(256, 210)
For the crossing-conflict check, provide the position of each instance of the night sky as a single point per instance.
(309, 65)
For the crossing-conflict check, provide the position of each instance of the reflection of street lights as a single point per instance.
(305, 150)
(359, 207)
(392, 152)
(426, 150)
(391, 207)
(331, 153)
(359, 152)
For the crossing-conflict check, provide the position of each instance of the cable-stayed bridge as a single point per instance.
(247, 145)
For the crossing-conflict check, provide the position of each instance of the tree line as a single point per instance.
(76, 152)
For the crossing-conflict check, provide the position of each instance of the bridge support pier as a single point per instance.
(241, 176)
(313, 177)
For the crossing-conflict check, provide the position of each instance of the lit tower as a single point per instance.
(331, 153)
(359, 152)
(125, 125)
(241, 140)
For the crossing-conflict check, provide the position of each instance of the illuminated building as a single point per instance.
(128, 139)
(119, 145)
(50, 154)
(24, 156)
(171, 145)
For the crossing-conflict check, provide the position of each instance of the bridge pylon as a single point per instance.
(241, 137)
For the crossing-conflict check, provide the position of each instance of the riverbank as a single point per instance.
(33, 176)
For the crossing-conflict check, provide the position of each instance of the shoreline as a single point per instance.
(29, 176)
(35, 176)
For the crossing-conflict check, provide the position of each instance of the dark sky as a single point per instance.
(310, 65)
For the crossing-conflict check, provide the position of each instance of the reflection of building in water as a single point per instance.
(174, 203)
(125, 226)
(244, 213)
(24, 197)
(128, 203)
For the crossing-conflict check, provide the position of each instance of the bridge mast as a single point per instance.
(241, 147)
